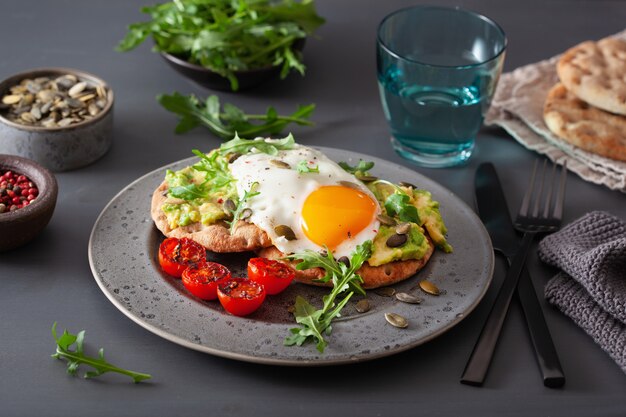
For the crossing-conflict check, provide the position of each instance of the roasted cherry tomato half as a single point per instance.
(177, 254)
(201, 279)
(240, 296)
(275, 276)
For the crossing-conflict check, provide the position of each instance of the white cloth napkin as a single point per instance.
(517, 107)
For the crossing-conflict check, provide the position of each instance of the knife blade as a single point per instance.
(494, 213)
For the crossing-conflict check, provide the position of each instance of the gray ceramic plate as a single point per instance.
(122, 255)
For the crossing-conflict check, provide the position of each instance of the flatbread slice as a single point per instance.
(596, 73)
(215, 237)
(373, 276)
(585, 126)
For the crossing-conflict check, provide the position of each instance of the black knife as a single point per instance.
(494, 213)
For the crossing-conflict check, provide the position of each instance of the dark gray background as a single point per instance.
(50, 280)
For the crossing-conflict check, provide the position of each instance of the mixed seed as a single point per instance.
(54, 101)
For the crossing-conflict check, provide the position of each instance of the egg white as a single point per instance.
(282, 192)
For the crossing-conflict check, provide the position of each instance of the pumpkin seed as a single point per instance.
(344, 260)
(396, 320)
(363, 306)
(429, 288)
(386, 220)
(27, 117)
(65, 122)
(230, 205)
(245, 213)
(280, 164)
(408, 298)
(365, 178)
(350, 184)
(403, 228)
(396, 240)
(285, 231)
(385, 291)
(407, 184)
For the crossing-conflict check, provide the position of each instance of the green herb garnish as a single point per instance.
(225, 36)
(360, 169)
(398, 204)
(304, 167)
(269, 146)
(317, 323)
(77, 357)
(227, 120)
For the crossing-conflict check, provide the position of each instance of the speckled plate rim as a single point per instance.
(309, 356)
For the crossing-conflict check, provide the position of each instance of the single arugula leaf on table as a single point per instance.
(315, 323)
(76, 357)
(227, 120)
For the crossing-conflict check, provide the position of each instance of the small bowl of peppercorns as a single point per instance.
(28, 195)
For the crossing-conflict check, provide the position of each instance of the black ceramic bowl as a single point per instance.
(20, 226)
(214, 81)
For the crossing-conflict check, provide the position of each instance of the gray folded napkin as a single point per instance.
(591, 289)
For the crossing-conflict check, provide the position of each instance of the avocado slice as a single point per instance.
(415, 247)
(431, 219)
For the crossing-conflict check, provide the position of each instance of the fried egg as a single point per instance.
(324, 207)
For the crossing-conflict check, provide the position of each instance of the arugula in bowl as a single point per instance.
(227, 36)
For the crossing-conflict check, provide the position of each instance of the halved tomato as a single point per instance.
(201, 279)
(177, 254)
(274, 275)
(240, 296)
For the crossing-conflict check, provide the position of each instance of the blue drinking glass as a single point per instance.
(437, 71)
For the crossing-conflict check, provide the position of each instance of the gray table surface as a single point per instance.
(50, 280)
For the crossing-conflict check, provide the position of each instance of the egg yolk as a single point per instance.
(334, 213)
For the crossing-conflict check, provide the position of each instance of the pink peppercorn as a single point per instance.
(16, 191)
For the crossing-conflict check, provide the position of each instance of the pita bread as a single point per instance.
(596, 73)
(373, 276)
(585, 126)
(214, 237)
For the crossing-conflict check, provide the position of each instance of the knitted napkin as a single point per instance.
(591, 289)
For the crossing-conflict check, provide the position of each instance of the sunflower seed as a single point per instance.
(285, 231)
(396, 320)
(396, 240)
(403, 228)
(36, 112)
(385, 291)
(65, 122)
(77, 89)
(363, 306)
(408, 298)
(33, 87)
(429, 288)
(27, 117)
(386, 220)
(11, 99)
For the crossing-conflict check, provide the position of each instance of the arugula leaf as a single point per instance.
(315, 323)
(303, 167)
(263, 145)
(229, 120)
(229, 35)
(362, 167)
(77, 357)
(189, 191)
(398, 204)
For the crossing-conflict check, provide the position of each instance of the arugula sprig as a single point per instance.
(229, 35)
(77, 357)
(397, 203)
(269, 146)
(227, 120)
(360, 169)
(315, 323)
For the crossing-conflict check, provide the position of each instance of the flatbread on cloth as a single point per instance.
(585, 126)
(596, 73)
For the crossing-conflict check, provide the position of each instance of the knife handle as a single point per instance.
(545, 351)
(480, 359)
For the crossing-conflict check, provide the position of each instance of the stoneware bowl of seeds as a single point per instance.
(28, 195)
(59, 117)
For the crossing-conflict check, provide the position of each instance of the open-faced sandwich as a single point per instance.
(279, 198)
